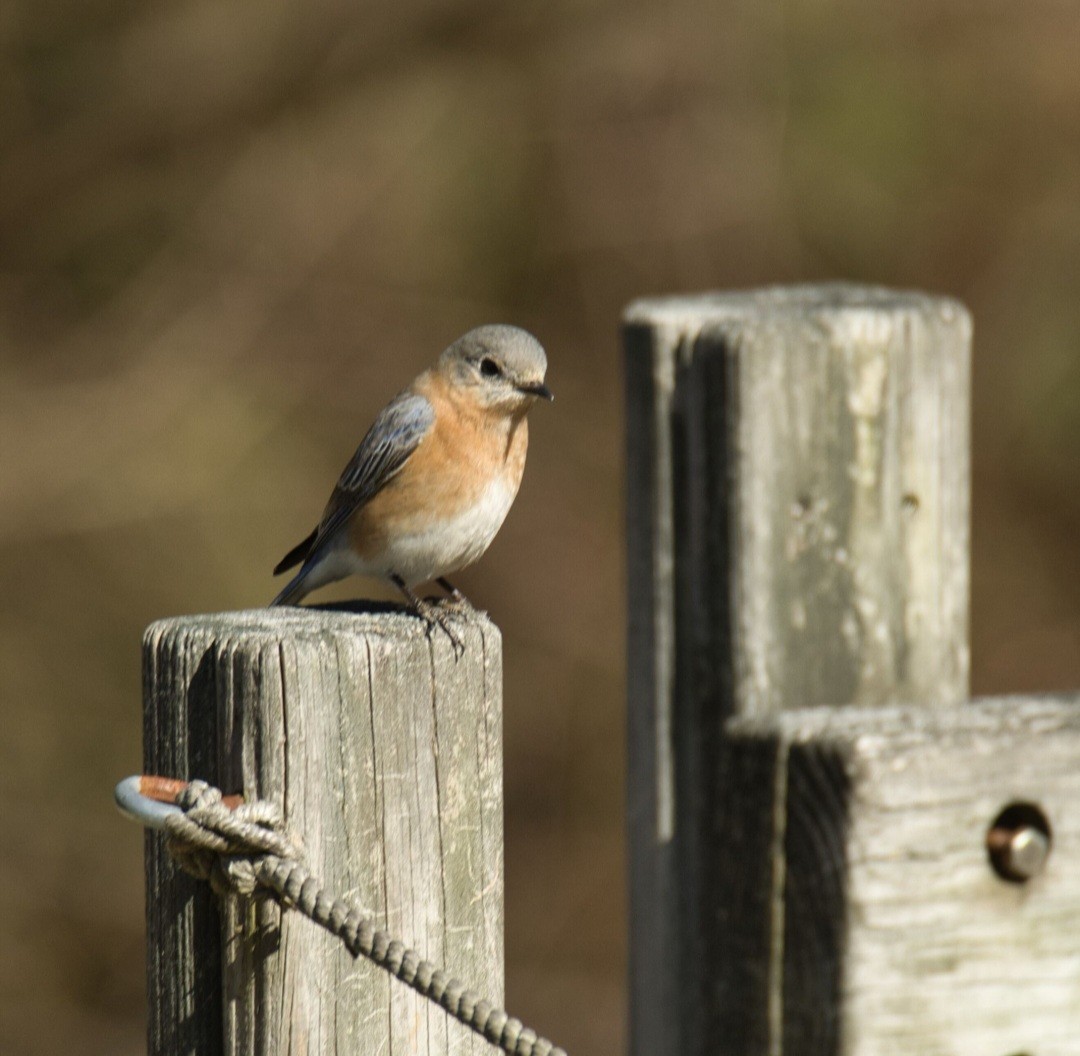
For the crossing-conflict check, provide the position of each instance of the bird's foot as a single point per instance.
(455, 601)
(435, 615)
(432, 614)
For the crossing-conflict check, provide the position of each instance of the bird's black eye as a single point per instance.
(489, 368)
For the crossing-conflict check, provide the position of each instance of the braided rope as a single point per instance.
(249, 852)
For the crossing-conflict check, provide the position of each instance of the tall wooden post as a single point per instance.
(798, 537)
(385, 752)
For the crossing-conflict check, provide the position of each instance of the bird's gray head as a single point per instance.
(503, 367)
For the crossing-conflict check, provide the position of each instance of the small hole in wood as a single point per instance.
(910, 502)
(802, 505)
(1018, 843)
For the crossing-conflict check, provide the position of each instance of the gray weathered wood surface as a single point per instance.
(806, 452)
(798, 478)
(876, 861)
(386, 754)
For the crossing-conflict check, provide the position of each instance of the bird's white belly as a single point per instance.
(446, 545)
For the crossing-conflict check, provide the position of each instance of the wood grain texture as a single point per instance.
(798, 507)
(899, 939)
(386, 755)
(823, 434)
(656, 974)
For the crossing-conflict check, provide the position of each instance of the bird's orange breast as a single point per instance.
(466, 451)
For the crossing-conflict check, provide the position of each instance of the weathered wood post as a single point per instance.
(810, 880)
(386, 754)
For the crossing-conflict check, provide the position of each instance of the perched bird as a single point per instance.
(433, 479)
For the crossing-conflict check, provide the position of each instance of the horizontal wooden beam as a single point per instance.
(859, 854)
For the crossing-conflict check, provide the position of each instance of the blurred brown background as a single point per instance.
(230, 231)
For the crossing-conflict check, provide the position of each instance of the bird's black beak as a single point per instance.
(537, 388)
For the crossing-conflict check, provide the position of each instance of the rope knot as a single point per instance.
(234, 875)
(226, 847)
(198, 794)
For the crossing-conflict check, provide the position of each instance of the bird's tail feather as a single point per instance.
(298, 553)
(295, 589)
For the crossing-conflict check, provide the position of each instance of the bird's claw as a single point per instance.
(456, 602)
(435, 616)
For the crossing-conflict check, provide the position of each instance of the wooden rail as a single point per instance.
(811, 797)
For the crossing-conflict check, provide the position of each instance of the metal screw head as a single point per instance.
(1019, 842)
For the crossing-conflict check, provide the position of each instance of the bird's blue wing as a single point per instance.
(393, 437)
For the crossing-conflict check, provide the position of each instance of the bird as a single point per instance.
(433, 478)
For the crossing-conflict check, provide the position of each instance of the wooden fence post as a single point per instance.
(798, 536)
(386, 754)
